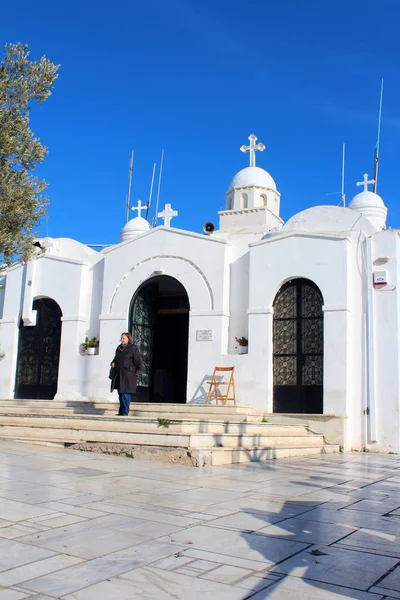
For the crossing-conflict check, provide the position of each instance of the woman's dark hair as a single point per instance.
(129, 336)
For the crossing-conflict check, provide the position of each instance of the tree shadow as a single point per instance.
(269, 586)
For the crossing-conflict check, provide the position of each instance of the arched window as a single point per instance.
(244, 201)
(263, 200)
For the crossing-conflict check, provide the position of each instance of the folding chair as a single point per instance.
(215, 392)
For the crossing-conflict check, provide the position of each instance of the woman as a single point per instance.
(126, 367)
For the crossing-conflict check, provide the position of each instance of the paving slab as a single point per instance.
(79, 526)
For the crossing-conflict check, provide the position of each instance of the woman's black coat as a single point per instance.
(128, 366)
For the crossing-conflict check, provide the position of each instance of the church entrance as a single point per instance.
(298, 341)
(39, 353)
(159, 323)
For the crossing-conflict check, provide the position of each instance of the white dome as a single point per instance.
(366, 199)
(253, 177)
(372, 207)
(133, 228)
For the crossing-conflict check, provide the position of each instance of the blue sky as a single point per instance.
(196, 78)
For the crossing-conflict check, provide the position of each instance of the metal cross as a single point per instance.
(253, 148)
(167, 214)
(139, 208)
(365, 183)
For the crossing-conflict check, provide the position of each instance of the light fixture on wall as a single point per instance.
(381, 260)
(159, 272)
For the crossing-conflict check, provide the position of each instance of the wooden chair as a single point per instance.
(215, 392)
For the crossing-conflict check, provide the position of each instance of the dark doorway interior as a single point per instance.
(298, 348)
(159, 322)
(39, 353)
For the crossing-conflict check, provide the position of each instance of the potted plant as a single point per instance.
(243, 345)
(90, 345)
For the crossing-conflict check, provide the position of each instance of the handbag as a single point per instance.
(112, 373)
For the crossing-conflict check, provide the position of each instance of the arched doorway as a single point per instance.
(39, 353)
(298, 341)
(159, 323)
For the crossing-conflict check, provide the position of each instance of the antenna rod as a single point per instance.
(376, 162)
(343, 162)
(128, 199)
(151, 192)
(159, 186)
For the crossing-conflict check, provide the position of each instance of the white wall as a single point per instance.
(9, 329)
(326, 260)
(3, 280)
(200, 264)
(231, 291)
(68, 281)
(386, 314)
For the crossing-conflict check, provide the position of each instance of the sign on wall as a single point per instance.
(204, 335)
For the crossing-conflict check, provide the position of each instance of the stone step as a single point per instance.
(184, 415)
(47, 410)
(191, 415)
(135, 406)
(191, 434)
(153, 438)
(261, 440)
(133, 425)
(73, 436)
(195, 457)
(227, 456)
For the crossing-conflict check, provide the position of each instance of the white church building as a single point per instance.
(317, 298)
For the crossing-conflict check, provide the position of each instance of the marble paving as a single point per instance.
(81, 526)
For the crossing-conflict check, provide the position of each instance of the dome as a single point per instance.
(253, 177)
(366, 199)
(371, 206)
(133, 228)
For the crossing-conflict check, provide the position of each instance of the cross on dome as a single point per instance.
(139, 208)
(365, 182)
(252, 149)
(167, 214)
(300, 221)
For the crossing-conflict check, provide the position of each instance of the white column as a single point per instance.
(261, 355)
(71, 371)
(28, 314)
(9, 332)
(208, 343)
(339, 366)
(111, 327)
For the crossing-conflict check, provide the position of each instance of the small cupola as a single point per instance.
(370, 205)
(135, 226)
(252, 198)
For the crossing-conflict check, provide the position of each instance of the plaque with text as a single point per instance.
(204, 335)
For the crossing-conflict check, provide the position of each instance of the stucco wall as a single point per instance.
(200, 264)
(231, 289)
(329, 262)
